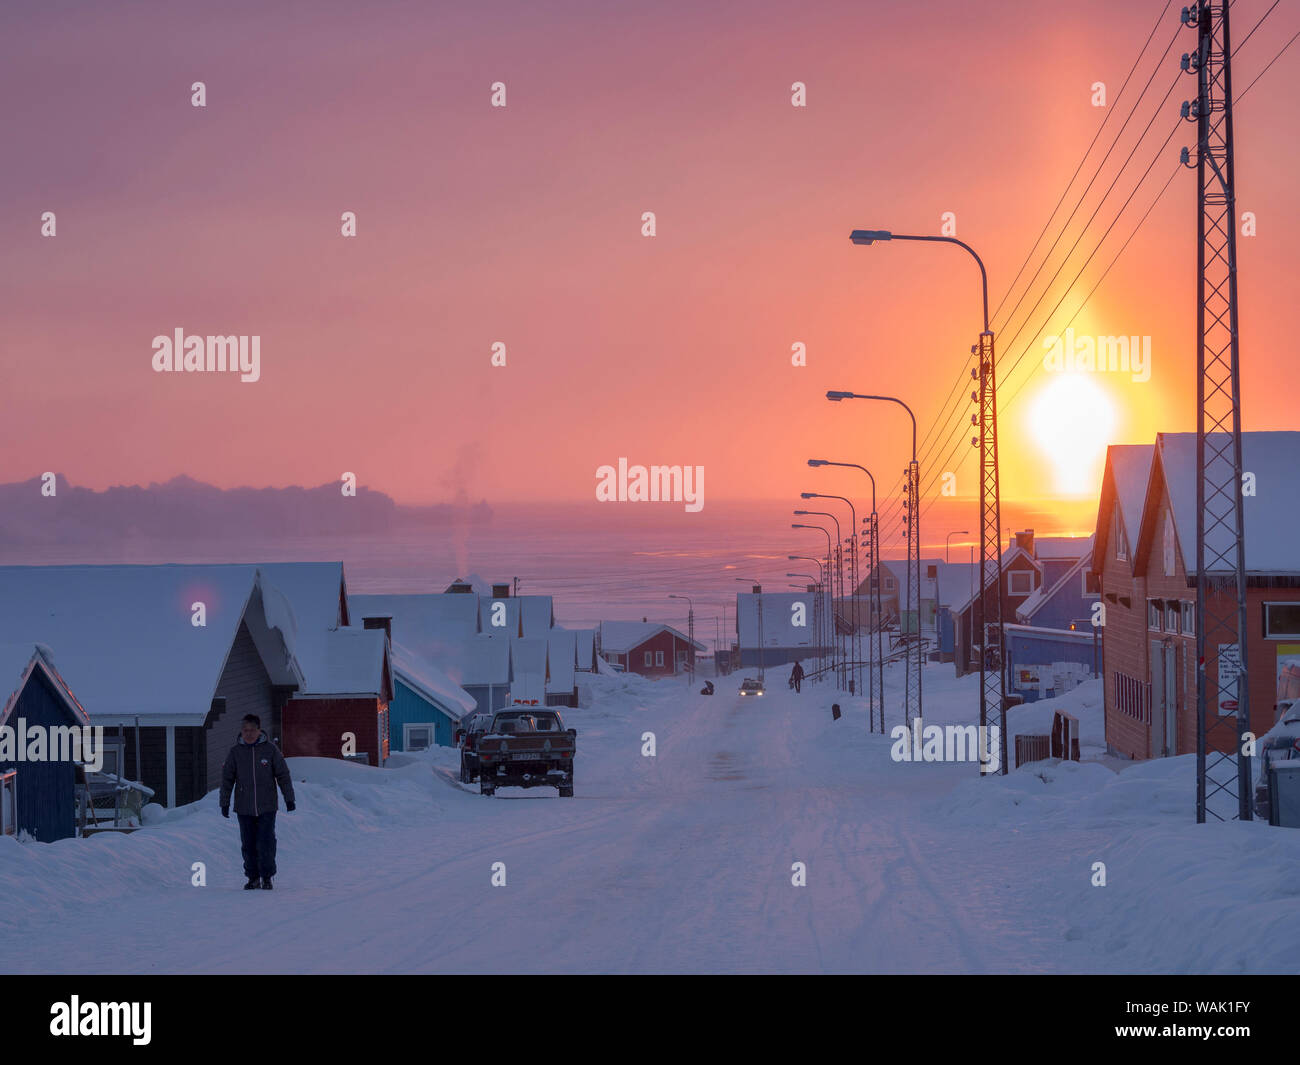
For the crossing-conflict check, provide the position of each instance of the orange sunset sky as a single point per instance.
(523, 225)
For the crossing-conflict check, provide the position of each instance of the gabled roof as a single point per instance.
(957, 582)
(586, 648)
(126, 633)
(1062, 547)
(431, 683)
(1123, 483)
(536, 615)
(18, 661)
(619, 637)
(472, 659)
(419, 615)
(1043, 595)
(348, 661)
(562, 658)
(1271, 515)
(506, 608)
(1008, 556)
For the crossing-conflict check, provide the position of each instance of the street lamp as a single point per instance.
(948, 539)
(830, 588)
(839, 571)
(876, 656)
(690, 634)
(855, 684)
(912, 703)
(992, 684)
(823, 584)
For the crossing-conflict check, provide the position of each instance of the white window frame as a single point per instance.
(9, 802)
(1173, 624)
(649, 659)
(1279, 636)
(406, 735)
(1155, 614)
(1188, 611)
(659, 659)
(1121, 540)
(1011, 586)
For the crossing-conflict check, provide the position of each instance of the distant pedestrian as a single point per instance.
(796, 677)
(253, 768)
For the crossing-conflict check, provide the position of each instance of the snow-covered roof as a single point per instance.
(17, 663)
(125, 632)
(897, 568)
(1270, 514)
(957, 581)
(470, 659)
(619, 637)
(536, 612)
(562, 657)
(418, 616)
(1008, 556)
(586, 648)
(506, 608)
(426, 679)
(1130, 466)
(1043, 594)
(1062, 547)
(347, 661)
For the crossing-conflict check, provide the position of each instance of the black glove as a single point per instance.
(290, 806)
(225, 811)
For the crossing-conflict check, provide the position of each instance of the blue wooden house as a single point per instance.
(38, 797)
(427, 705)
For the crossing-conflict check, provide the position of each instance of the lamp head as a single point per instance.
(870, 236)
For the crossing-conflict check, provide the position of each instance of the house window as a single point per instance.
(649, 658)
(1281, 620)
(1091, 584)
(1117, 534)
(889, 584)
(1173, 615)
(1132, 697)
(1189, 619)
(418, 737)
(1020, 582)
(659, 658)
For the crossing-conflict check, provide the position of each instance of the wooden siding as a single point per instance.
(315, 728)
(246, 688)
(46, 791)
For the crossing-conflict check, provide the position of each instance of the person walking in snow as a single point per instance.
(796, 677)
(253, 768)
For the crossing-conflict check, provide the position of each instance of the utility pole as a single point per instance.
(1222, 703)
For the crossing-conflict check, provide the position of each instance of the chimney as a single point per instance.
(460, 587)
(501, 591)
(1025, 541)
(385, 623)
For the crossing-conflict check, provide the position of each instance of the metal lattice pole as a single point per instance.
(912, 518)
(992, 653)
(1222, 703)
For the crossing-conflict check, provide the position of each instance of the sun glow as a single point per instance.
(1073, 420)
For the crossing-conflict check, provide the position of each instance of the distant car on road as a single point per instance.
(527, 748)
(467, 738)
(750, 686)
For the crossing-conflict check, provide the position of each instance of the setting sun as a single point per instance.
(1073, 420)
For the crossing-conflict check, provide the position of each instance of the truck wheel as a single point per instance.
(485, 788)
(464, 773)
(566, 791)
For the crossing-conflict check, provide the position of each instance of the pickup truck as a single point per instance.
(467, 737)
(527, 748)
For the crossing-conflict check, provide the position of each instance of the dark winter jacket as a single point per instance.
(796, 674)
(253, 769)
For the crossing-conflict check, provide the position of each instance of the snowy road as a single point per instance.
(680, 862)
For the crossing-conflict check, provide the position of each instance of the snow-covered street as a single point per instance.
(682, 862)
